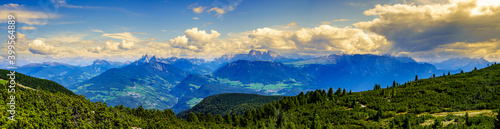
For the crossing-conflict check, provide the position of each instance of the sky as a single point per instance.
(78, 32)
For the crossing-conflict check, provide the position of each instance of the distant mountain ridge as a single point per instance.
(66, 74)
(261, 71)
(146, 84)
(465, 63)
(253, 55)
(360, 71)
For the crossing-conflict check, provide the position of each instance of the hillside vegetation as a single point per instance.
(464, 100)
(226, 104)
(36, 83)
(409, 105)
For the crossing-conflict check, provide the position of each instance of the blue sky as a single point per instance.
(78, 32)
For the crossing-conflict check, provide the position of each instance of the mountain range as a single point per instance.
(464, 63)
(181, 83)
(66, 74)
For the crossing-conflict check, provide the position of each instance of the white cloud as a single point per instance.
(39, 47)
(489, 50)
(292, 24)
(218, 7)
(28, 28)
(127, 45)
(110, 45)
(218, 11)
(341, 20)
(124, 35)
(99, 31)
(95, 49)
(139, 33)
(424, 27)
(66, 38)
(62, 3)
(321, 38)
(196, 18)
(23, 15)
(200, 36)
(198, 9)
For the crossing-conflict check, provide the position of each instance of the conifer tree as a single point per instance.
(330, 93)
(467, 119)
(192, 117)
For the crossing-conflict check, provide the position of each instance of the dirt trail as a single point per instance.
(21, 85)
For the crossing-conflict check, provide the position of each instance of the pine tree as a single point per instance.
(497, 123)
(316, 122)
(437, 123)
(407, 124)
(219, 119)
(467, 119)
(192, 117)
(344, 92)
(379, 115)
(235, 119)
(433, 75)
(394, 83)
(461, 71)
(338, 91)
(209, 118)
(475, 68)
(449, 73)
(330, 93)
(416, 77)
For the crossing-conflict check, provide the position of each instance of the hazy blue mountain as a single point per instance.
(192, 65)
(66, 74)
(464, 63)
(252, 55)
(361, 72)
(242, 76)
(265, 72)
(81, 74)
(46, 70)
(147, 84)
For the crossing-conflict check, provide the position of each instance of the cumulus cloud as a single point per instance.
(24, 15)
(416, 28)
(196, 18)
(126, 45)
(39, 47)
(110, 45)
(489, 50)
(194, 39)
(321, 38)
(95, 50)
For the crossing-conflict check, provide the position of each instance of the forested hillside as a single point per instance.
(464, 100)
(36, 83)
(229, 103)
(413, 104)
